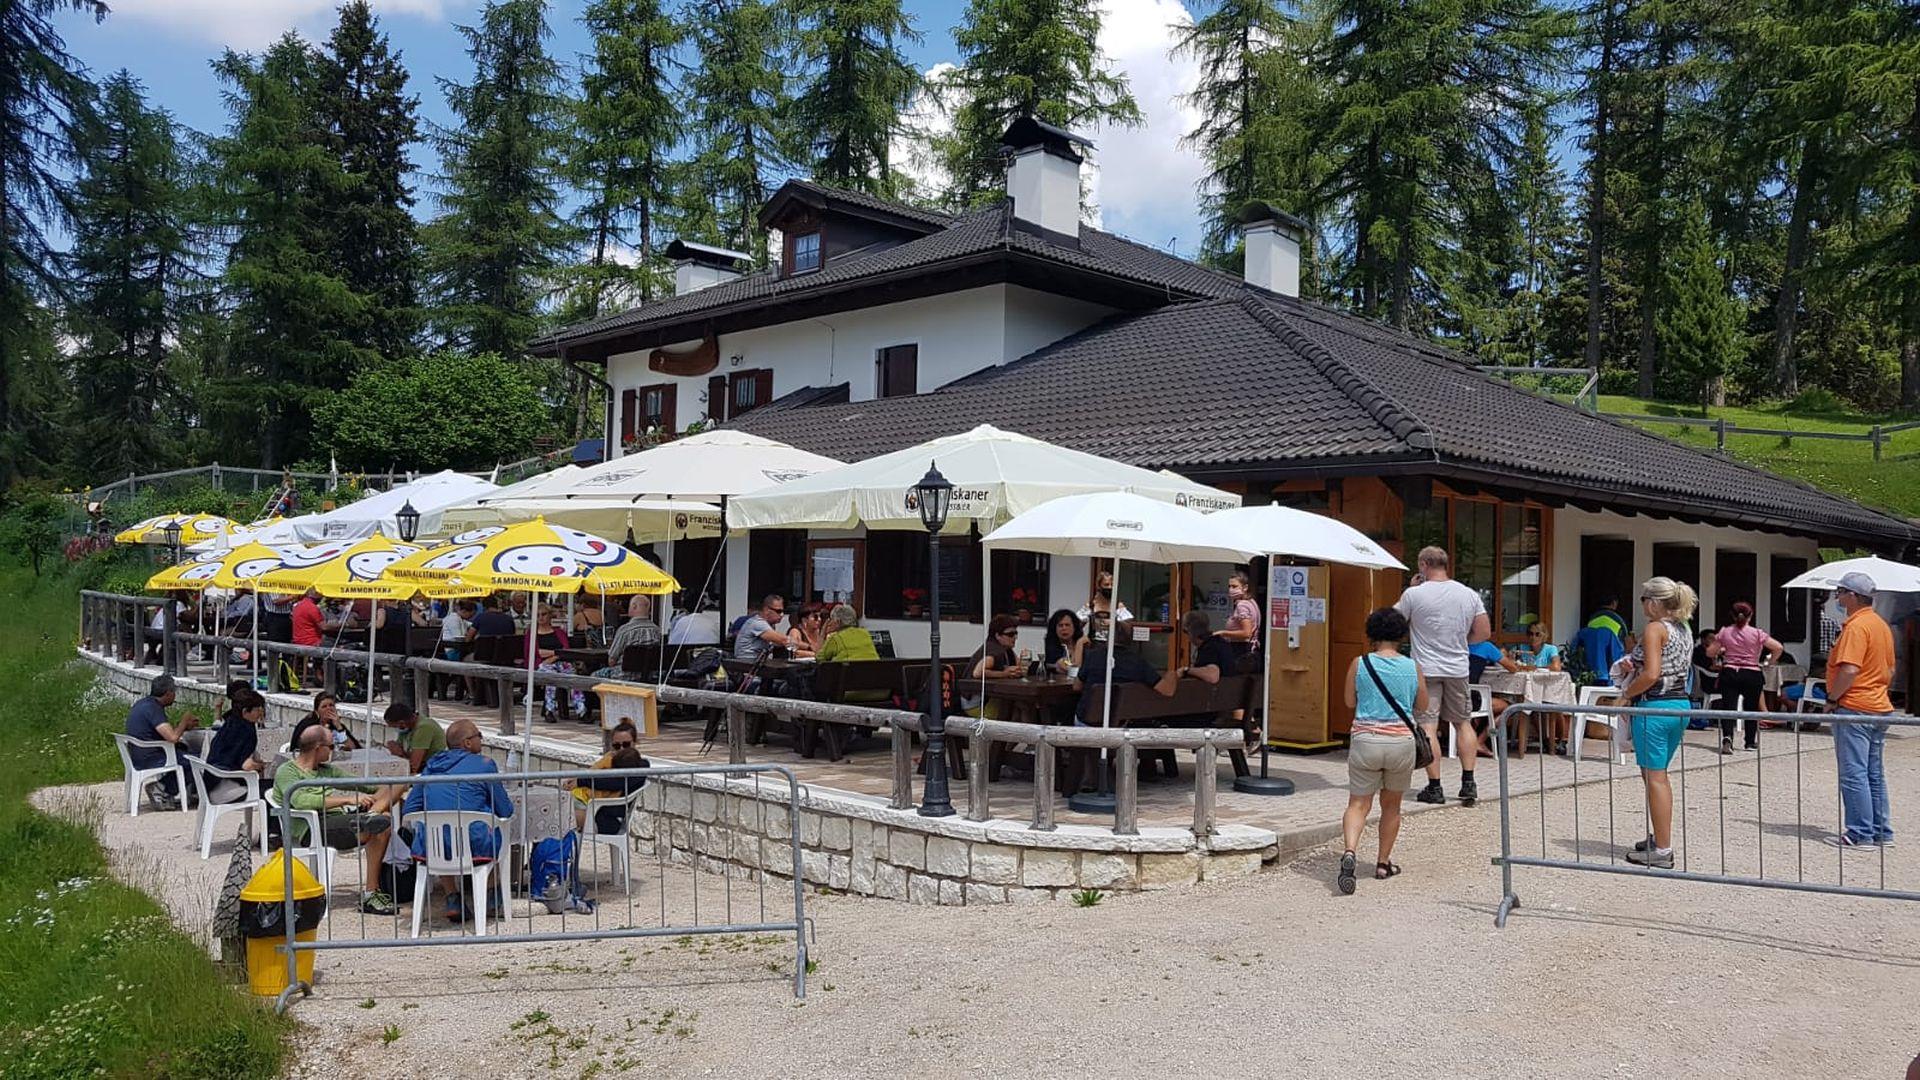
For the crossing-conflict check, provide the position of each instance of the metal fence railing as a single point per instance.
(1762, 809)
(242, 478)
(637, 872)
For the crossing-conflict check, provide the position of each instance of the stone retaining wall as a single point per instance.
(849, 842)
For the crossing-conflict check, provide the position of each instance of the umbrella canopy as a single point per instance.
(194, 528)
(235, 535)
(706, 467)
(430, 495)
(236, 568)
(357, 572)
(1887, 575)
(648, 520)
(996, 476)
(535, 556)
(1123, 525)
(1283, 530)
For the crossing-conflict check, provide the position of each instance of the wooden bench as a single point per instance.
(1194, 703)
(849, 682)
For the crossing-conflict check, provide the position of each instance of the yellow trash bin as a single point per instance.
(263, 914)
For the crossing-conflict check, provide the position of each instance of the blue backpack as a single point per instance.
(555, 876)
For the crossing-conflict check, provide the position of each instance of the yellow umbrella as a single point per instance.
(236, 568)
(539, 558)
(536, 557)
(193, 529)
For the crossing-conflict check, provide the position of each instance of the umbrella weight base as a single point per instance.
(1262, 785)
(1091, 802)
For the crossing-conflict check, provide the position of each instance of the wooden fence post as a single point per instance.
(1204, 782)
(422, 689)
(737, 736)
(503, 690)
(1043, 766)
(1126, 791)
(979, 750)
(1720, 434)
(1875, 436)
(902, 767)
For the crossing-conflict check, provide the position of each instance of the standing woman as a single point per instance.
(1741, 649)
(1385, 690)
(1662, 661)
(1243, 623)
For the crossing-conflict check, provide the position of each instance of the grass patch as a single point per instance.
(1845, 468)
(1086, 898)
(93, 978)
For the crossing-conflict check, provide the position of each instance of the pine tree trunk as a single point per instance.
(1786, 306)
(1597, 211)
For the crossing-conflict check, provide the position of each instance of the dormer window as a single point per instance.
(805, 255)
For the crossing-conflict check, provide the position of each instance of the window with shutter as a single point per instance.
(717, 398)
(627, 412)
(748, 390)
(897, 371)
(656, 407)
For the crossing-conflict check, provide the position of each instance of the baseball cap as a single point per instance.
(1857, 583)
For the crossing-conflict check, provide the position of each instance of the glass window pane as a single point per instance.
(1474, 549)
(1520, 568)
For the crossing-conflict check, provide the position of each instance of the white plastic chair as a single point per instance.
(137, 779)
(1616, 725)
(620, 843)
(1479, 707)
(315, 853)
(1806, 694)
(450, 854)
(211, 812)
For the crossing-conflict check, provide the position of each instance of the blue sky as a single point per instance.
(1145, 190)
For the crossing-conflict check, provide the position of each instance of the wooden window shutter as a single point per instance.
(668, 423)
(717, 398)
(762, 387)
(629, 407)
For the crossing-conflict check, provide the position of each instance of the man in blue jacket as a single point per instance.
(481, 795)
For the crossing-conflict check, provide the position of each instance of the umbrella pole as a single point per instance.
(1264, 784)
(1102, 801)
(254, 654)
(533, 656)
(366, 760)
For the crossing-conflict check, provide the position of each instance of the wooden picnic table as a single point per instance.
(587, 660)
(1030, 700)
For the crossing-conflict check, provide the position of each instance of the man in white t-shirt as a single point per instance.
(1445, 618)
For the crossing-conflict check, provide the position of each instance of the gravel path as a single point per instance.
(1596, 976)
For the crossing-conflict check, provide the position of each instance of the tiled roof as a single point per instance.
(862, 200)
(1253, 381)
(972, 234)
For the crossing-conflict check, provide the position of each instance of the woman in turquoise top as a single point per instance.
(1662, 663)
(1380, 753)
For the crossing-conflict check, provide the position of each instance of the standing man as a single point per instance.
(1859, 670)
(147, 721)
(1446, 618)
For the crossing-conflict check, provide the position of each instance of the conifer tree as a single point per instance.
(1700, 331)
(1018, 58)
(493, 253)
(132, 260)
(740, 132)
(857, 83)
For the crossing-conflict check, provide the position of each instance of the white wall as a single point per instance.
(1569, 525)
(957, 334)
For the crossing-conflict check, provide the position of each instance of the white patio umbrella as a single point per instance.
(429, 496)
(996, 475)
(1283, 530)
(1887, 575)
(1118, 525)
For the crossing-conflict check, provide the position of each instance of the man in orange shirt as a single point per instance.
(1859, 669)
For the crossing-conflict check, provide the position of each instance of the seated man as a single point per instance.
(623, 754)
(639, 629)
(147, 720)
(462, 757)
(1128, 667)
(236, 744)
(350, 815)
(757, 635)
(419, 739)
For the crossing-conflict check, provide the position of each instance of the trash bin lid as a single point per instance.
(269, 883)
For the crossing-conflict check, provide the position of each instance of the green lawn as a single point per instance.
(1848, 468)
(93, 978)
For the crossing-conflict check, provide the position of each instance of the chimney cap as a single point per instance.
(1029, 131)
(1257, 212)
(706, 254)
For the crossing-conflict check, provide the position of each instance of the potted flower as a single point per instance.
(915, 601)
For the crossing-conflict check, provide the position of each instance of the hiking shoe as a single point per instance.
(1345, 880)
(1469, 793)
(376, 903)
(1432, 793)
(1842, 840)
(1726, 747)
(1643, 845)
(1751, 746)
(1657, 860)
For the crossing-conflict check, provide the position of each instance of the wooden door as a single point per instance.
(1297, 690)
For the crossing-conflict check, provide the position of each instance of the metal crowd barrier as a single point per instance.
(1691, 863)
(663, 826)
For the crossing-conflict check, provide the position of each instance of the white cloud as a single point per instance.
(1142, 182)
(250, 24)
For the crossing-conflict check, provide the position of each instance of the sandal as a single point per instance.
(1345, 880)
(1384, 870)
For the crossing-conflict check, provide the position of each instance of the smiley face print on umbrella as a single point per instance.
(538, 556)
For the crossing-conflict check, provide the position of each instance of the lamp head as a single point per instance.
(935, 496)
(408, 520)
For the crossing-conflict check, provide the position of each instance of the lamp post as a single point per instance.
(172, 530)
(408, 520)
(934, 495)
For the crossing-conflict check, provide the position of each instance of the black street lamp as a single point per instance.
(172, 531)
(408, 520)
(934, 495)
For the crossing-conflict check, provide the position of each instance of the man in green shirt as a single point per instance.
(419, 739)
(350, 815)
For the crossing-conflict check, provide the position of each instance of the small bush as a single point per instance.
(1087, 898)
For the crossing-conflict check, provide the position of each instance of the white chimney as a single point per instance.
(696, 266)
(1272, 238)
(1043, 175)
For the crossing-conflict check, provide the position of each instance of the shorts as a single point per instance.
(342, 830)
(1446, 700)
(1656, 738)
(1379, 763)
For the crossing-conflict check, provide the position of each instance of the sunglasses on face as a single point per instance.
(1008, 633)
(622, 744)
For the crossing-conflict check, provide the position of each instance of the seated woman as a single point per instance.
(548, 641)
(996, 658)
(589, 625)
(1066, 641)
(1539, 654)
(807, 630)
(624, 753)
(846, 639)
(326, 711)
(236, 743)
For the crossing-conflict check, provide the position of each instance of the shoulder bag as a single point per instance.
(1422, 749)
